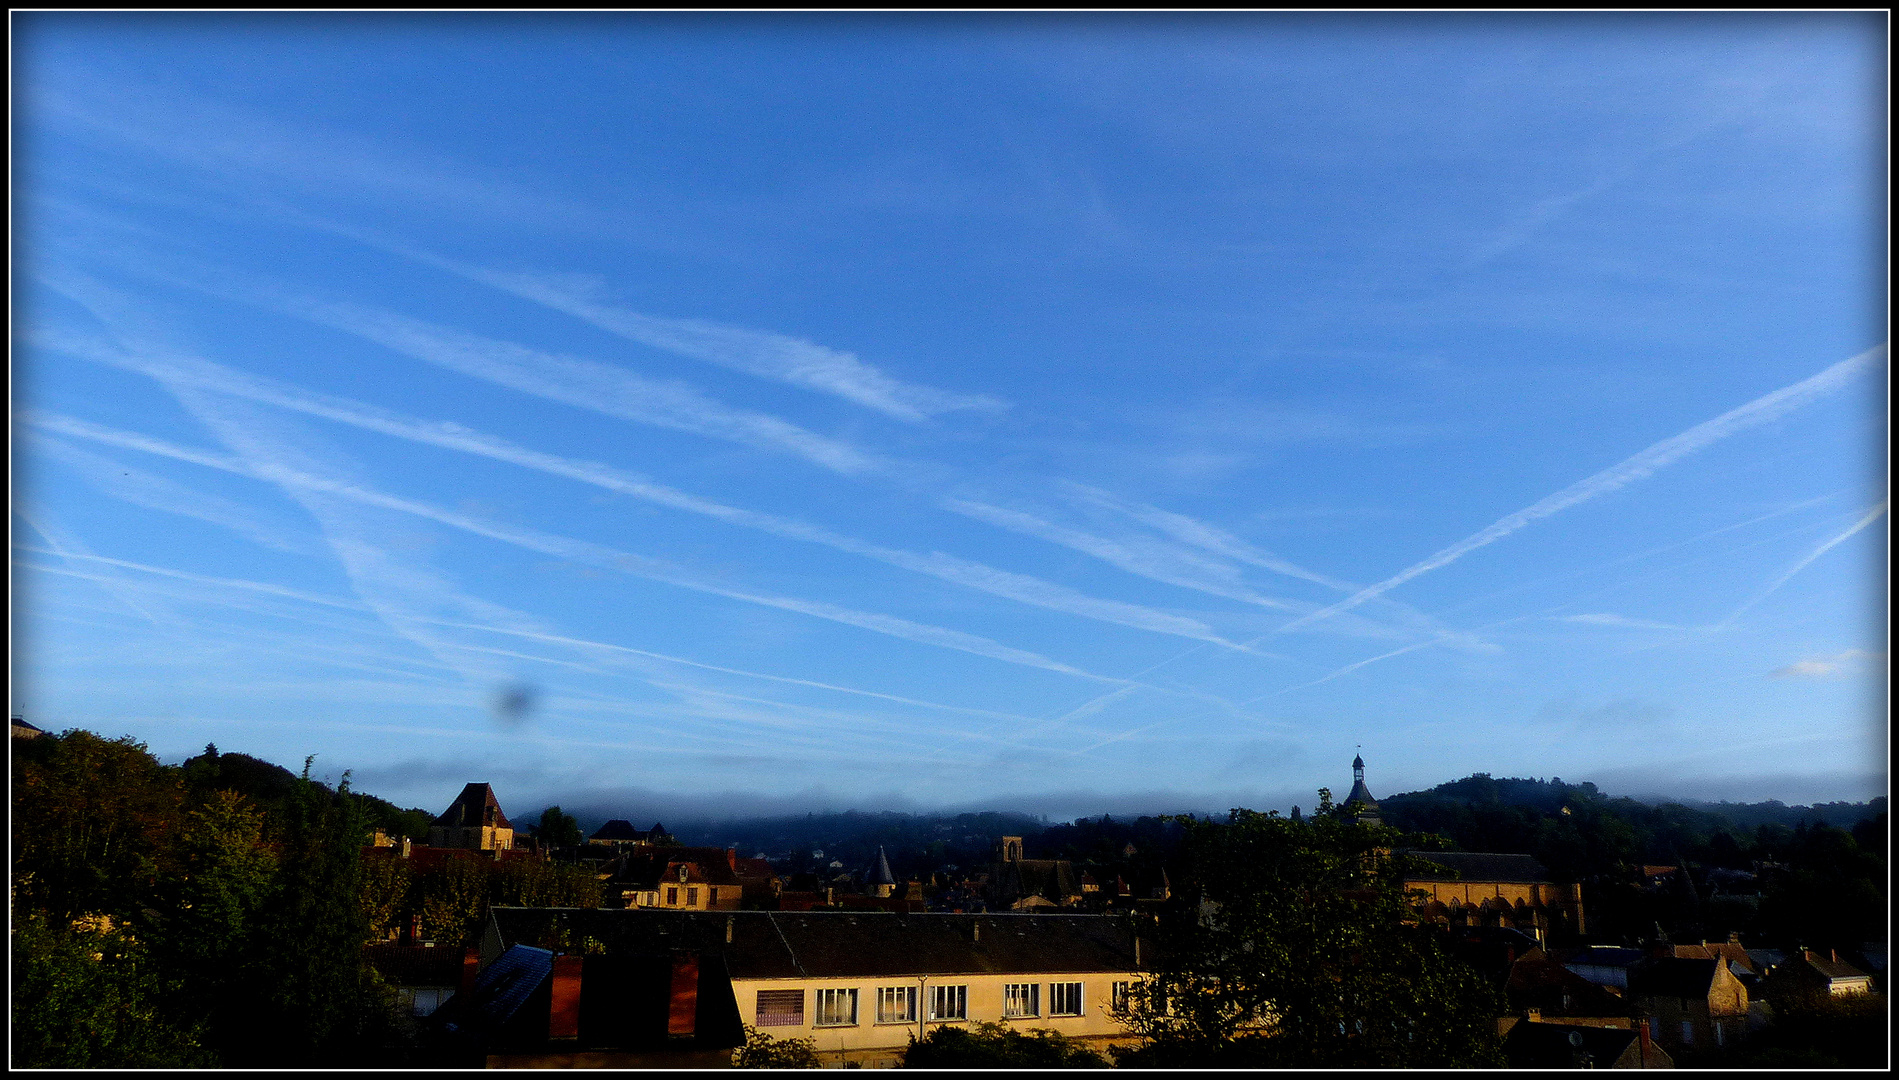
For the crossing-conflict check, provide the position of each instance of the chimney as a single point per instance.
(471, 967)
(1643, 1027)
(563, 1007)
(1836, 955)
(1734, 937)
(682, 1013)
(729, 920)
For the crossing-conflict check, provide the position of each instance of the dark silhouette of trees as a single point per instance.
(1290, 947)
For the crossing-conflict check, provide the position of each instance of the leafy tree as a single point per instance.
(308, 997)
(91, 998)
(1294, 947)
(451, 900)
(90, 821)
(761, 1051)
(387, 884)
(997, 1046)
(557, 829)
(530, 883)
(206, 909)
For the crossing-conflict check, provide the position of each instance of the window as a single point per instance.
(672, 896)
(949, 1002)
(1118, 996)
(896, 1004)
(692, 897)
(837, 1008)
(1064, 999)
(1021, 999)
(781, 1008)
(1687, 1033)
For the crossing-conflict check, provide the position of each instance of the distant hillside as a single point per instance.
(269, 785)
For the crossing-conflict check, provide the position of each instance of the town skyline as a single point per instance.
(1069, 417)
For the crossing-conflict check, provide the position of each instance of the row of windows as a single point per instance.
(898, 1004)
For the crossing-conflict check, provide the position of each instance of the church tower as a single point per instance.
(1359, 805)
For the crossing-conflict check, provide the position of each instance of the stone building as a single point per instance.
(1480, 888)
(474, 821)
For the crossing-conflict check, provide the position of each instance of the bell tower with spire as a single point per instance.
(1359, 805)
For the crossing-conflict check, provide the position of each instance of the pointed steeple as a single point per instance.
(882, 875)
(1367, 807)
(882, 881)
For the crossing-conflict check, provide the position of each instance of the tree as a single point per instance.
(451, 900)
(386, 888)
(761, 1051)
(528, 883)
(1294, 946)
(997, 1046)
(557, 829)
(206, 909)
(91, 998)
(307, 997)
(91, 817)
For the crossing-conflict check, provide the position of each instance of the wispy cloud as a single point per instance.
(190, 371)
(766, 355)
(586, 384)
(1158, 565)
(576, 550)
(575, 381)
(1821, 667)
(141, 488)
(1641, 465)
(1871, 516)
(1607, 619)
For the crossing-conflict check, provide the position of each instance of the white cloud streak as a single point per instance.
(564, 548)
(766, 355)
(1641, 465)
(155, 492)
(190, 371)
(1871, 516)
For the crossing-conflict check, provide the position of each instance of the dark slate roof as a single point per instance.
(845, 944)
(1730, 951)
(501, 990)
(618, 829)
(415, 965)
(476, 805)
(1539, 982)
(1360, 794)
(1481, 866)
(1548, 1046)
(880, 874)
(1601, 956)
(1834, 969)
(1673, 976)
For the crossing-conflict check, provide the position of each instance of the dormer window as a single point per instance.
(682, 875)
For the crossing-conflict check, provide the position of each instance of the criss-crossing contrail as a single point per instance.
(1666, 452)
(1871, 516)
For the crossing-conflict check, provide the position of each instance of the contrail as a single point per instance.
(1663, 453)
(1871, 516)
(192, 371)
(578, 550)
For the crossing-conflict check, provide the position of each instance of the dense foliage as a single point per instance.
(761, 1051)
(1779, 876)
(998, 1046)
(163, 919)
(1289, 947)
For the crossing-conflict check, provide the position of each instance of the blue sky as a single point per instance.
(699, 414)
